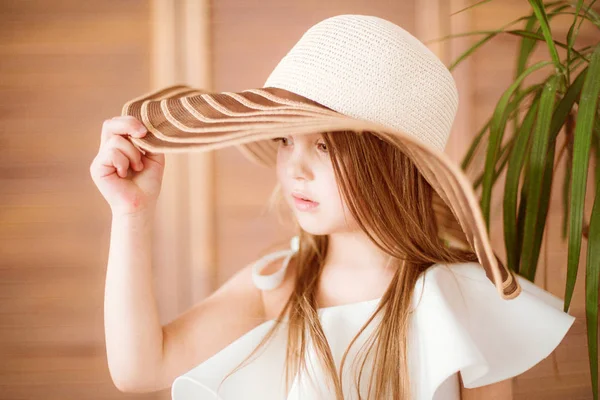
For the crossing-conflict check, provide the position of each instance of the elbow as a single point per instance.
(124, 385)
(134, 375)
(128, 384)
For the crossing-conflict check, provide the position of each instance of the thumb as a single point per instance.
(157, 157)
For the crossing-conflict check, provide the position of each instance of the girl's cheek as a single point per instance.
(280, 167)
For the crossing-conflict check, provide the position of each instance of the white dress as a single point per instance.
(460, 324)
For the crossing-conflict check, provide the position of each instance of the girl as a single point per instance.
(367, 302)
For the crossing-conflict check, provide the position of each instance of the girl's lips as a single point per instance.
(304, 205)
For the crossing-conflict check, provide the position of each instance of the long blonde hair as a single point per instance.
(392, 203)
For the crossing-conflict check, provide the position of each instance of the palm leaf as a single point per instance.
(512, 110)
(537, 161)
(543, 207)
(471, 151)
(491, 33)
(496, 132)
(526, 47)
(472, 49)
(596, 140)
(471, 6)
(572, 34)
(583, 132)
(566, 192)
(540, 13)
(584, 17)
(560, 117)
(565, 105)
(532, 35)
(511, 186)
(591, 289)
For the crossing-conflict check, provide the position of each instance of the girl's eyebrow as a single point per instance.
(316, 136)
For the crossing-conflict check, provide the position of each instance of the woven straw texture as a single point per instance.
(369, 68)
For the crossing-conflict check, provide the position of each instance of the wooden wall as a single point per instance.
(65, 67)
(68, 65)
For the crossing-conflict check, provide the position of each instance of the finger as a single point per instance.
(128, 149)
(111, 160)
(128, 119)
(159, 158)
(121, 126)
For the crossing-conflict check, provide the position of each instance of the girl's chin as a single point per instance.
(315, 226)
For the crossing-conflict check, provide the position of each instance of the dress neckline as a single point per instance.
(323, 310)
(273, 280)
(356, 303)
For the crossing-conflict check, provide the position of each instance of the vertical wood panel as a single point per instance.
(170, 258)
(463, 129)
(66, 66)
(202, 242)
(184, 257)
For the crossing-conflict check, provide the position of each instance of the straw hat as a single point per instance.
(347, 72)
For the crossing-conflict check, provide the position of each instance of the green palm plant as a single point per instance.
(567, 97)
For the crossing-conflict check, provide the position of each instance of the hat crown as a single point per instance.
(370, 68)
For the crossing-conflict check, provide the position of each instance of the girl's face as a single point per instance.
(304, 170)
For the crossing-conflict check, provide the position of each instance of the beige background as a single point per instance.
(68, 65)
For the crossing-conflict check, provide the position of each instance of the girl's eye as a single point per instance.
(285, 141)
(282, 139)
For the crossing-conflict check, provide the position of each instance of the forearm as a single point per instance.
(133, 332)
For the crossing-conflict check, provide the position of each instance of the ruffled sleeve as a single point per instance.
(461, 324)
(261, 376)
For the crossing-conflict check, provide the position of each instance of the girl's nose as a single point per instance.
(298, 167)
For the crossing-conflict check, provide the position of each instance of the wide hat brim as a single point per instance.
(180, 119)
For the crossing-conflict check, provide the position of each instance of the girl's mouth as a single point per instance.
(304, 204)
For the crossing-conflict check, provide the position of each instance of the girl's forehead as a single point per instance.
(307, 136)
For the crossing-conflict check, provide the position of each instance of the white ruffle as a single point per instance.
(460, 324)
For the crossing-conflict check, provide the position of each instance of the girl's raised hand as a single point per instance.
(129, 180)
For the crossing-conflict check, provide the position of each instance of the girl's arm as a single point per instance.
(144, 356)
(133, 333)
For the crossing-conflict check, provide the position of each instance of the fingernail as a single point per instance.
(142, 130)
